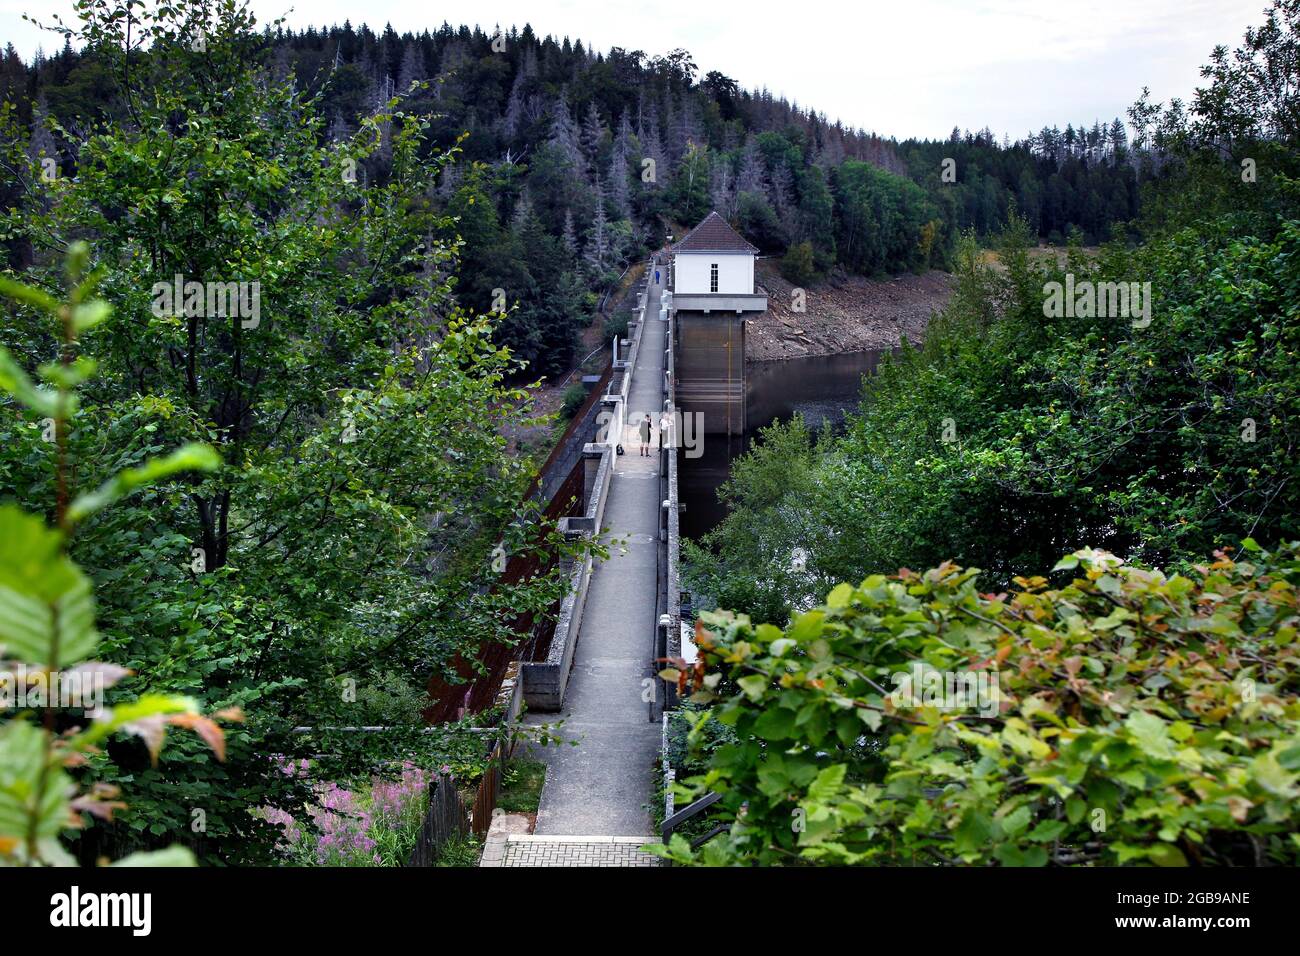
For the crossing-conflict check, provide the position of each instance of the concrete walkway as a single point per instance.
(603, 786)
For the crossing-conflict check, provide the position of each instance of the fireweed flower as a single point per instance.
(350, 824)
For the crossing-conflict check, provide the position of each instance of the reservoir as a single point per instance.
(821, 388)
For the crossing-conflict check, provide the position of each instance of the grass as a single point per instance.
(521, 785)
(460, 851)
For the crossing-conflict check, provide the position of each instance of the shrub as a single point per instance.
(574, 396)
(460, 851)
(1139, 718)
(521, 785)
(616, 325)
(797, 265)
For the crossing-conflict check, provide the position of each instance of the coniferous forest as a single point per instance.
(551, 186)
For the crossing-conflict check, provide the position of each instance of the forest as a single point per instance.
(572, 163)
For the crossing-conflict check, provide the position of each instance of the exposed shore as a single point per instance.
(843, 314)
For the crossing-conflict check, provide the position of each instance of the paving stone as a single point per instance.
(580, 850)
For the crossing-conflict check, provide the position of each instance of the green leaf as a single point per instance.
(90, 314)
(42, 401)
(191, 457)
(753, 685)
(1151, 734)
(827, 784)
(840, 596)
(68, 376)
(29, 295)
(780, 646)
(172, 856)
(1166, 854)
(775, 724)
(973, 832)
(1010, 855)
(806, 626)
(134, 712)
(1046, 831)
(1016, 821)
(44, 597)
(22, 757)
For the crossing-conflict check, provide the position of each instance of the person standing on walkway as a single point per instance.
(646, 428)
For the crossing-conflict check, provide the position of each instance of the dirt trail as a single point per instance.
(844, 314)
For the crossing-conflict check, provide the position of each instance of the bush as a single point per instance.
(616, 325)
(797, 265)
(689, 758)
(521, 786)
(460, 851)
(574, 396)
(1136, 718)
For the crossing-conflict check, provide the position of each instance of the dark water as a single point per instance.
(820, 388)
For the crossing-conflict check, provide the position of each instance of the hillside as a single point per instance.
(845, 313)
(567, 163)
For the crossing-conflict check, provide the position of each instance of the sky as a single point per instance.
(901, 68)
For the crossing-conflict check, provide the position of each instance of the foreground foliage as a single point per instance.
(1142, 718)
(47, 614)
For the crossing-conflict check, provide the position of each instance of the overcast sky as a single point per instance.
(902, 68)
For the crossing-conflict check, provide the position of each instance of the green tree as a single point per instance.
(798, 264)
(358, 408)
(689, 191)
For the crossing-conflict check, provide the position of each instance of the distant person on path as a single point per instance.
(645, 435)
(656, 277)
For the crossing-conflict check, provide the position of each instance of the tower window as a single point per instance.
(713, 277)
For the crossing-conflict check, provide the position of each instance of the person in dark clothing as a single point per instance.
(646, 428)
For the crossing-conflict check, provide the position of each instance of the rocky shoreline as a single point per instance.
(842, 314)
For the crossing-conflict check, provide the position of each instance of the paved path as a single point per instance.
(528, 850)
(603, 786)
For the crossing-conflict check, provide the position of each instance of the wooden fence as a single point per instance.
(446, 817)
(489, 788)
(444, 820)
